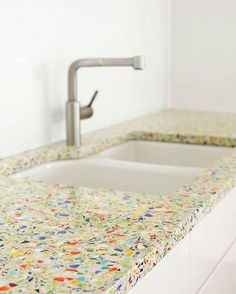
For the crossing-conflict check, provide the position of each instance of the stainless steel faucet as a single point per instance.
(74, 113)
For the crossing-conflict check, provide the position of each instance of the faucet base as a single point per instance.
(73, 123)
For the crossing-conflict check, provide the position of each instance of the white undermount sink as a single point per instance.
(166, 153)
(135, 166)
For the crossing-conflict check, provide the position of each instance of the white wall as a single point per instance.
(39, 40)
(203, 55)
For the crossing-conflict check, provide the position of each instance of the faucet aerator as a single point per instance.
(139, 63)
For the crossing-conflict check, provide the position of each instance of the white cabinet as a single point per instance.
(210, 239)
(223, 279)
(191, 263)
(170, 276)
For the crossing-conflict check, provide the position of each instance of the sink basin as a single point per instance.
(166, 153)
(112, 174)
(135, 166)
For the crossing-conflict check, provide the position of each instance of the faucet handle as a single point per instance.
(87, 111)
(93, 98)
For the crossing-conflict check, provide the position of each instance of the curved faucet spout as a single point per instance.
(74, 113)
(137, 62)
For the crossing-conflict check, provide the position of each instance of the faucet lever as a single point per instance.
(93, 98)
(87, 111)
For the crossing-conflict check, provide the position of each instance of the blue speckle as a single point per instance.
(62, 214)
(13, 272)
(148, 215)
(74, 265)
(30, 279)
(42, 238)
(119, 249)
(81, 279)
(22, 228)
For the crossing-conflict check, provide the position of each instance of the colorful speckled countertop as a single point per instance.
(59, 239)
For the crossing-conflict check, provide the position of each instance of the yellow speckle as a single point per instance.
(17, 253)
(129, 253)
(28, 262)
(74, 282)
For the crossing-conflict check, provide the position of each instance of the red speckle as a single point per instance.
(72, 270)
(4, 288)
(12, 285)
(69, 279)
(59, 279)
(75, 252)
(24, 266)
(40, 261)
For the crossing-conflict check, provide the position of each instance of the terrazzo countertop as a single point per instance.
(59, 239)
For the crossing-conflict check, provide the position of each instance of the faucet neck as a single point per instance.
(135, 62)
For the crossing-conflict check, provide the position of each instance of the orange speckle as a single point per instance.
(119, 235)
(24, 266)
(69, 198)
(51, 246)
(4, 288)
(59, 279)
(75, 252)
(17, 214)
(101, 216)
(113, 269)
(72, 243)
(168, 211)
(112, 241)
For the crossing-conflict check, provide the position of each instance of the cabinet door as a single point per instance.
(171, 274)
(223, 280)
(210, 240)
(190, 264)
